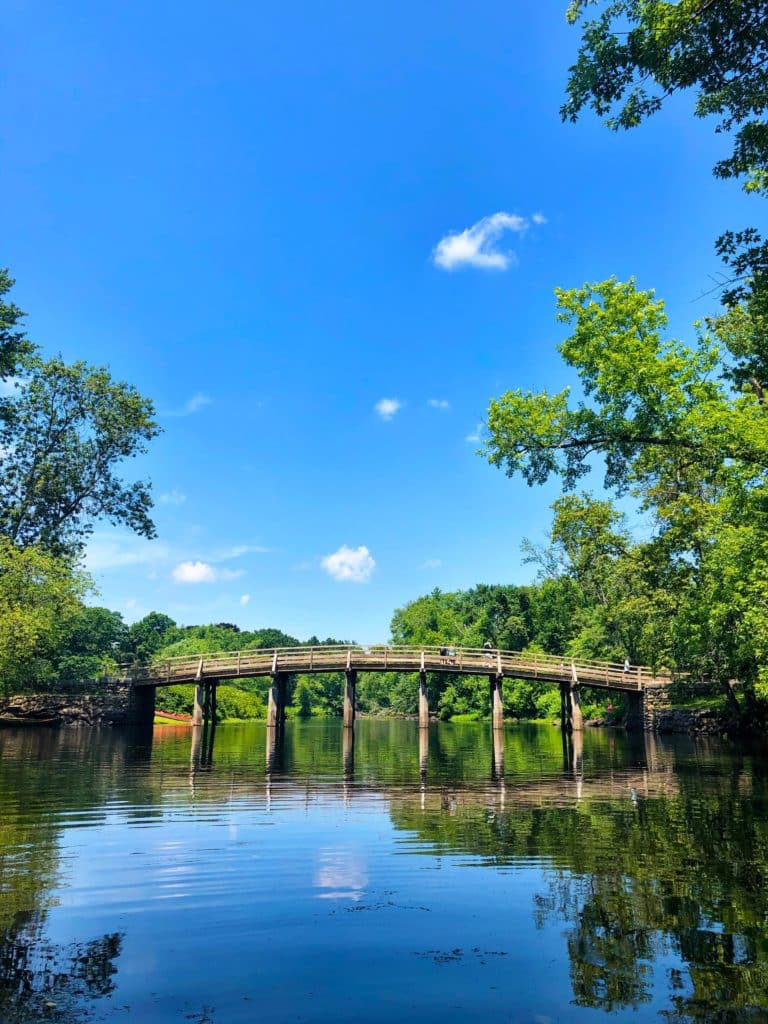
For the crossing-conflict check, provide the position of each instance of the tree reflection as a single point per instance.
(655, 866)
(667, 890)
(40, 980)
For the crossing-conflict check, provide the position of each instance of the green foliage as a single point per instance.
(547, 704)
(239, 702)
(499, 614)
(653, 405)
(64, 432)
(187, 640)
(67, 431)
(303, 698)
(147, 636)
(14, 345)
(40, 602)
(671, 431)
(232, 702)
(96, 631)
(635, 54)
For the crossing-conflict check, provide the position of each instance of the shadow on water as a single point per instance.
(651, 855)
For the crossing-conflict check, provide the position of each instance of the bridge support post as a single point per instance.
(576, 714)
(197, 707)
(634, 720)
(141, 706)
(497, 703)
(209, 721)
(571, 715)
(276, 701)
(423, 701)
(570, 703)
(350, 685)
(565, 710)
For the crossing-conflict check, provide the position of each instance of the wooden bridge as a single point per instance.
(206, 671)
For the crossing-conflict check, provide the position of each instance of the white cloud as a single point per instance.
(431, 563)
(476, 434)
(475, 246)
(174, 497)
(352, 564)
(539, 218)
(439, 403)
(192, 405)
(387, 407)
(131, 603)
(244, 599)
(194, 572)
(202, 572)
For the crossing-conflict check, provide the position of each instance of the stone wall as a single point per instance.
(657, 699)
(660, 716)
(114, 704)
(691, 721)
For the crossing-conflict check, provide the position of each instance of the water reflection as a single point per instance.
(43, 981)
(643, 862)
(341, 874)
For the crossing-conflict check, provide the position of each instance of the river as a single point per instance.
(306, 878)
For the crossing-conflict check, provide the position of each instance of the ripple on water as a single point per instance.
(318, 878)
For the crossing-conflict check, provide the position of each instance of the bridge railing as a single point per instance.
(388, 657)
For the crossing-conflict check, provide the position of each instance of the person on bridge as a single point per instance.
(488, 648)
(626, 666)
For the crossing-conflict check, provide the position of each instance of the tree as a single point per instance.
(656, 410)
(148, 635)
(96, 631)
(693, 452)
(304, 696)
(40, 597)
(67, 431)
(14, 344)
(92, 644)
(269, 637)
(623, 608)
(637, 53)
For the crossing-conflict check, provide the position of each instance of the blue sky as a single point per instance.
(240, 209)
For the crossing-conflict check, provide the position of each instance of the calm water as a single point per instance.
(311, 881)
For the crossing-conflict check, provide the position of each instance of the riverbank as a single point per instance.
(108, 706)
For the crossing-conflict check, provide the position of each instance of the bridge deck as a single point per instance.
(382, 658)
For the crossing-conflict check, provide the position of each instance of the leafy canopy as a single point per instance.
(40, 600)
(653, 409)
(67, 431)
(14, 344)
(635, 54)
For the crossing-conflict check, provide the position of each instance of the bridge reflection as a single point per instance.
(653, 775)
